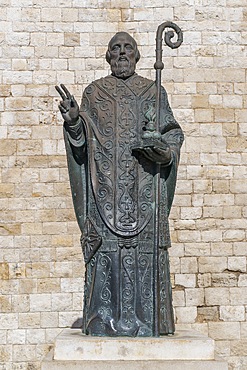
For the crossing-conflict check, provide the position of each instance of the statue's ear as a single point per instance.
(138, 56)
(107, 56)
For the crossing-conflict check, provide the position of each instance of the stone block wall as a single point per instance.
(46, 42)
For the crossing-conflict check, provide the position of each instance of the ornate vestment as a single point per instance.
(114, 193)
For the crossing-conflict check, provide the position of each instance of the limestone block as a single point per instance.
(223, 330)
(189, 265)
(237, 263)
(236, 144)
(27, 286)
(226, 279)
(224, 115)
(16, 336)
(220, 249)
(51, 228)
(49, 175)
(238, 347)
(31, 228)
(241, 199)
(7, 147)
(24, 353)
(212, 264)
(20, 303)
(217, 296)
(5, 303)
(243, 329)
(204, 280)
(9, 321)
(177, 250)
(186, 315)
(241, 118)
(5, 353)
(191, 212)
(206, 314)
(242, 281)
(198, 249)
(71, 344)
(232, 212)
(238, 296)
(37, 270)
(239, 247)
(40, 302)
(35, 336)
(50, 14)
(29, 320)
(48, 285)
(189, 236)
(4, 270)
(178, 298)
(185, 280)
(61, 301)
(15, 77)
(232, 313)
(71, 285)
(194, 296)
(66, 318)
(51, 334)
(232, 101)
(217, 364)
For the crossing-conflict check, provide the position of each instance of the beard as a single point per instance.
(123, 67)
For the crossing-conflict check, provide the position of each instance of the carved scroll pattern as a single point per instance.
(128, 289)
(104, 266)
(164, 287)
(146, 291)
(105, 263)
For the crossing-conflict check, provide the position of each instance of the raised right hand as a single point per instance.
(68, 105)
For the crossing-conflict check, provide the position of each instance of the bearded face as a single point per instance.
(122, 55)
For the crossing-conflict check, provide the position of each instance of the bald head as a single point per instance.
(122, 55)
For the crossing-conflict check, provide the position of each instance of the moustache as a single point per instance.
(123, 59)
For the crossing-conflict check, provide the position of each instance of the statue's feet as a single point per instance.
(135, 329)
(110, 328)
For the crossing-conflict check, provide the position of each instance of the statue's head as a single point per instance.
(122, 55)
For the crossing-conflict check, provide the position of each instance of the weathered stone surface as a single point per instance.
(217, 364)
(71, 344)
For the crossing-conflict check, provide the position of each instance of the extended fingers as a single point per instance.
(68, 95)
(60, 92)
(64, 92)
(73, 101)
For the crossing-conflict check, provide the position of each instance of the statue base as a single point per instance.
(187, 350)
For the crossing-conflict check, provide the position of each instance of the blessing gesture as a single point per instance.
(68, 105)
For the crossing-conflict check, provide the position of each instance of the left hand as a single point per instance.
(158, 154)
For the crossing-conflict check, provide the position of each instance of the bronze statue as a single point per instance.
(123, 173)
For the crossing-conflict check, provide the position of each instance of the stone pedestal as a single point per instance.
(186, 350)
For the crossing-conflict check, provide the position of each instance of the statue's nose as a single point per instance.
(122, 49)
